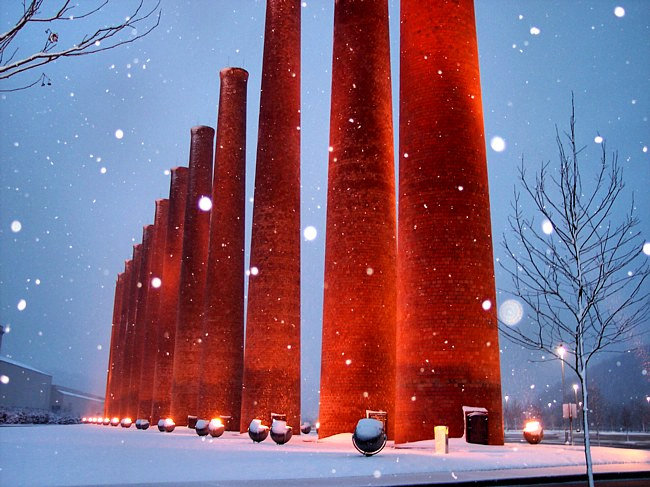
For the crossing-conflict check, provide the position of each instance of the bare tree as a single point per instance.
(582, 273)
(50, 16)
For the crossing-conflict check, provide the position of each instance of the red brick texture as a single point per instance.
(112, 356)
(151, 319)
(447, 344)
(171, 271)
(358, 355)
(222, 359)
(118, 374)
(140, 322)
(272, 355)
(129, 333)
(189, 323)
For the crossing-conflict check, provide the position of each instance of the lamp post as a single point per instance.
(575, 394)
(561, 351)
(506, 397)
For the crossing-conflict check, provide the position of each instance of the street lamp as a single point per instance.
(506, 397)
(561, 351)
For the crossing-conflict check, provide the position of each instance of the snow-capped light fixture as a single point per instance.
(258, 431)
(280, 432)
(169, 425)
(126, 422)
(216, 428)
(115, 421)
(202, 427)
(369, 437)
(533, 432)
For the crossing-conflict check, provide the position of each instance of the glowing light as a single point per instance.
(486, 305)
(511, 312)
(22, 304)
(103, 170)
(205, 203)
(532, 426)
(619, 12)
(156, 282)
(84, 419)
(598, 139)
(119, 133)
(646, 248)
(310, 233)
(16, 226)
(498, 144)
(254, 271)
(575, 387)
(534, 31)
(561, 351)
(370, 271)
(348, 362)
(547, 227)
(4, 379)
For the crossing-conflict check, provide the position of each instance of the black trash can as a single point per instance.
(476, 429)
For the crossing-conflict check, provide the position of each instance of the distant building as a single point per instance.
(24, 387)
(70, 402)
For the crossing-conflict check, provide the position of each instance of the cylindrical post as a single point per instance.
(222, 359)
(272, 356)
(129, 332)
(140, 322)
(113, 350)
(169, 295)
(358, 356)
(447, 338)
(196, 233)
(152, 317)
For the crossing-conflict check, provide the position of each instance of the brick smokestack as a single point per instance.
(447, 340)
(151, 320)
(140, 324)
(358, 356)
(189, 322)
(113, 351)
(129, 331)
(272, 355)
(223, 323)
(166, 335)
(118, 374)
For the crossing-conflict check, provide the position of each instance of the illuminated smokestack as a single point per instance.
(447, 340)
(140, 325)
(129, 331)
(169, 294)
(223, 323)
(272, 355)
(196, 233)
(152, 316)
(358, 355)
(113, 351)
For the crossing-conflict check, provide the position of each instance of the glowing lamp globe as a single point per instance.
(115, 422)
(106, 421)
(257, 431)
(216, 428)
(201, 427)
(169, 425)
(533, 432)
(84, 419)
(126, 422)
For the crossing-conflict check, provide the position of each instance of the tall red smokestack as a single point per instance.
(152, 316)
(113, 351)
(169, 294)
(447, 340)
(118, 376)
(272, 356)
(129, 332)
(223, 323)
(196, 234)
(358, 357)
(140, 325)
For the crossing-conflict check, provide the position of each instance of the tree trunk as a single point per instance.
(585, 426)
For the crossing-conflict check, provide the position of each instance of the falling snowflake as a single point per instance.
(310, 233)
(22, 304)
(534, 31)
(205, 203)
(547, 227)
(598, 139)
(156, 282)
(16, 226)
(498, 144)
(119, 133)
(486, 305)
(511, 312)
(619, 12)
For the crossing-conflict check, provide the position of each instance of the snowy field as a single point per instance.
(102, 455)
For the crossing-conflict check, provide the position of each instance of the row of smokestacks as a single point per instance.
(409, 315)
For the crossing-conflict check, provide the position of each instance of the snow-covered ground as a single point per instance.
(51, 455)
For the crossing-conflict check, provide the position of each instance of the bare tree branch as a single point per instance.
(102, 39)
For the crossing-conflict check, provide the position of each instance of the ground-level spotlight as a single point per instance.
(216, 428)
(533, 432)
(317, 425)
(169, 425)
(144, 424)
(115, 422)
(369, 437)
(280, 432)
(305, 428)
(161, 425)
(84, 419)
(191, 421)
(126, 422)
(106, 421)
(201, 427)
(258, 431)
